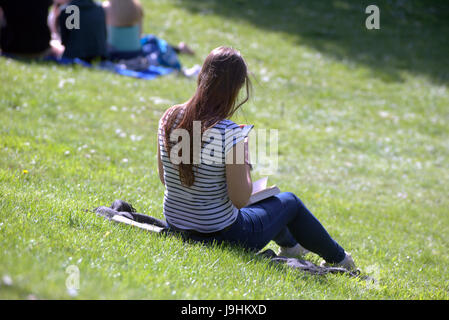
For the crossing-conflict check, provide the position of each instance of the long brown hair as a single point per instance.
(223, 74)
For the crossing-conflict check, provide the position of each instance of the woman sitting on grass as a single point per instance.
(206, 197)
(207, 200)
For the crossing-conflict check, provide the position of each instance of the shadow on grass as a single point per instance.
(268, 259)
(412, 35)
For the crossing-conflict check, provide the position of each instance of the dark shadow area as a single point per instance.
(413, 34)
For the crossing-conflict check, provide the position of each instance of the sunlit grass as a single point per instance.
(366, 151)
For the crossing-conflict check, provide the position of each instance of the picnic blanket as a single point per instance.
(122, 212)
(149, 73)
(158, 59)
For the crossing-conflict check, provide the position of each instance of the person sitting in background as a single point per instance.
(23, 28)
(124, 19)
(89, 41)
(124, 25)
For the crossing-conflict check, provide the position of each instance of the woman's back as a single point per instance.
(123, 13)
(204, 206)
(124, 38)
(124, 21)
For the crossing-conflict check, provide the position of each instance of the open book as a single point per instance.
(246, 128)
(261, 191)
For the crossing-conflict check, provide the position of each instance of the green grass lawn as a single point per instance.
(363, 141)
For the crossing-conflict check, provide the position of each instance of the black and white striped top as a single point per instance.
(205, 206)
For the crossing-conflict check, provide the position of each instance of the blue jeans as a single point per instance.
(283, 219)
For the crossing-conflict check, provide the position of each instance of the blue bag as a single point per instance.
(160, 52)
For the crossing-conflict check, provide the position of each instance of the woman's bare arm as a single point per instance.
(238, 176)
